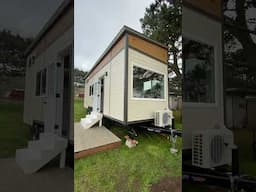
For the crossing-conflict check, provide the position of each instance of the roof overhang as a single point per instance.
(66, 4)
(125, 29)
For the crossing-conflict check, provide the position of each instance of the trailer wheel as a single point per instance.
(131, 132)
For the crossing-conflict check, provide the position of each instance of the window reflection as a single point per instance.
(198, 69)
(147, 84)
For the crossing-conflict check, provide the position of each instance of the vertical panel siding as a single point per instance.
(113, 87)
(144, 109)
(119, 45)
(200, 28)
(33, 106)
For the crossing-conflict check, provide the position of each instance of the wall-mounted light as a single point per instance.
(106, 74)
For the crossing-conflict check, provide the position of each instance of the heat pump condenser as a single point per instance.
(212, 147)
(163, 118)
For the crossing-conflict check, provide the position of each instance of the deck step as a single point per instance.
(91, 120)
(40, 152)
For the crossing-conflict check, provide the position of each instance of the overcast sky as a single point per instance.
(97, 22)
(26, 17)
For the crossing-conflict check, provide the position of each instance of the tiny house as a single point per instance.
(48, 73)
(48, 98)
(203, 105)
(129, 81)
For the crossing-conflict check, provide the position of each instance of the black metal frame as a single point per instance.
(220, 176)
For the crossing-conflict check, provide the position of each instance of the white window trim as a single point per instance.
(204, 104)
(155, 71)
(46, 86)
(46, 82)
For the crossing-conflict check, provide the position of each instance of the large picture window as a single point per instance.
(147, 84)
(198, 69)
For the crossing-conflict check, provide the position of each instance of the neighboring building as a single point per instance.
(236, 106)
(129, 81)
(175, 101)
(48, 98)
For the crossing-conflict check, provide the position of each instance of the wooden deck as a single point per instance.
(93, 140)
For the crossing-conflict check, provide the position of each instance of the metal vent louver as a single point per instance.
(217, 148)
(212, 147)
(165, 118)
(198, 149)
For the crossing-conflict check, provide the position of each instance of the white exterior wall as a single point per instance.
(33, 105)
(196, 116)
(143, 109)
(113, 87)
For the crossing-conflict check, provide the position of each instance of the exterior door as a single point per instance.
(101, 95)
(58, 95)
(95, 97)
(50, 99)
(66, 96)
(98, 95)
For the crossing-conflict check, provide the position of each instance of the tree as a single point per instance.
(240, 45)
(79, 76)
(12, 48)
(162, 22)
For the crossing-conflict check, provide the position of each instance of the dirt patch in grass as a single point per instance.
(122, 183)
(167, 184)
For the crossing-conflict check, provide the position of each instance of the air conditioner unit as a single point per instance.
(212, 147)
(163, 118)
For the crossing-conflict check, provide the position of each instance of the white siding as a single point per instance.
(113, 87)
(33, 105)
(143, 109)
(197, 27)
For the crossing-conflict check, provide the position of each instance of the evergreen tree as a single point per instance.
(162, 22)
(12, 57)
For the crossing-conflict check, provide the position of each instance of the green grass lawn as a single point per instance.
(243, 139)
(125, 169)
(79, 111)
(178, 119)
(14, 133)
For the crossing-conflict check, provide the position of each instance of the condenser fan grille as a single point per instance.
(217, 148)
(165, 118)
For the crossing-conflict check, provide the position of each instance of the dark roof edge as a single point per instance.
(57, 14)
(125, 29)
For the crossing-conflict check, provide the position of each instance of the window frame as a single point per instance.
(41, 93)
(38, 84)
(90, 90)
(216, 91)
(44, 82)
(154, 71)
